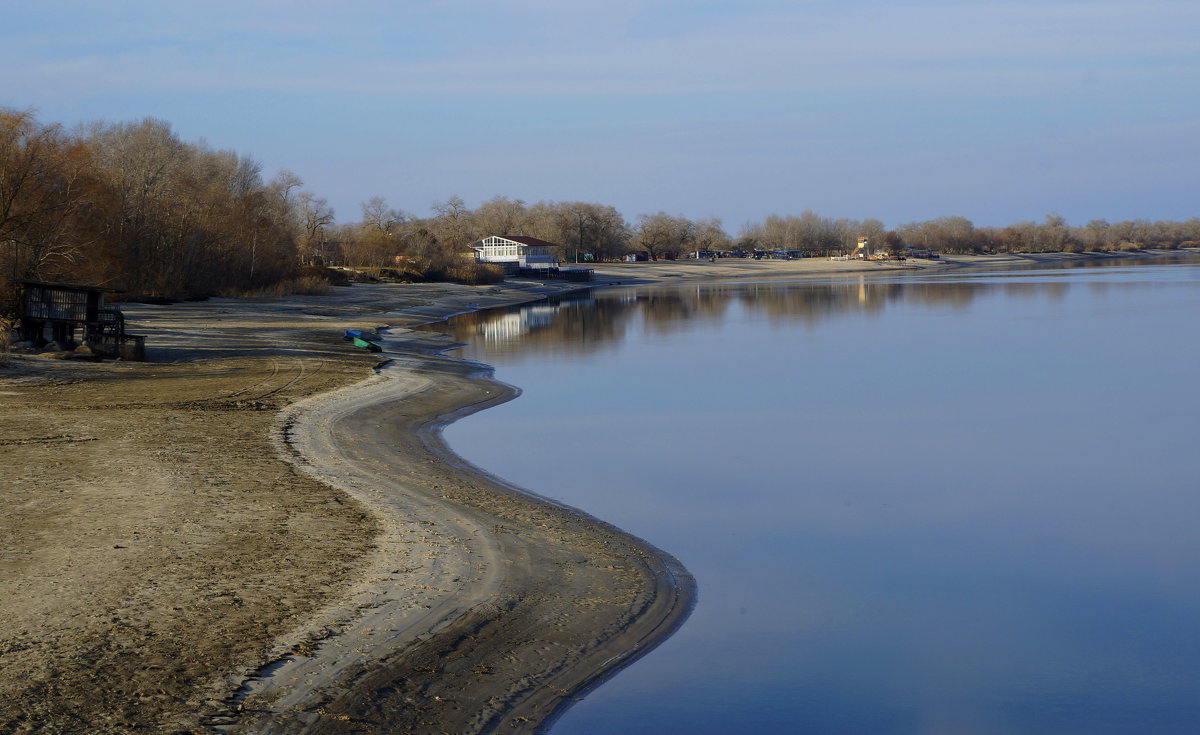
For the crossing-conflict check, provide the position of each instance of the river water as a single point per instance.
(954, 503)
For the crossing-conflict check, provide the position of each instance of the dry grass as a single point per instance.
(438, 268)
(309, 285)
(474, 274)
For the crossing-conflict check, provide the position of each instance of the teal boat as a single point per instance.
(367, 344)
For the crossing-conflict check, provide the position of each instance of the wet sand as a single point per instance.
(262, 532)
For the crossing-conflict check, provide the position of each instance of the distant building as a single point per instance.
(516, 252)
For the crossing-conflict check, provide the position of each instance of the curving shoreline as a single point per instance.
(673, 598)
(229, 558)
(529, 697)
(500, 546)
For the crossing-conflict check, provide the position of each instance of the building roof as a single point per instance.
(525, 240)
(65, 286)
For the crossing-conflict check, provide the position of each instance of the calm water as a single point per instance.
(954, 504)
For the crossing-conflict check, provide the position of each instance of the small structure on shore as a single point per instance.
(515, 253)
(54, 312)
(519, 255)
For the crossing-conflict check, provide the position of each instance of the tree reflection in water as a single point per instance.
(595, 320)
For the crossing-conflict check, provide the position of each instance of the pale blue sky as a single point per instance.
(996, 111)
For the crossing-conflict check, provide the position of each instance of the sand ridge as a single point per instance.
(535, 601)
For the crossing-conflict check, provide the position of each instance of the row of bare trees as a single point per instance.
(385, 236)
(818, 235)
(1053, 234)
(813, 234)
(131, 206)
(600, 232)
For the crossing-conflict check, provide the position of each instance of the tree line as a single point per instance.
(132, 207)
(602, 234)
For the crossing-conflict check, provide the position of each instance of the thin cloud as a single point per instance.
(763, 92)
(779, 51)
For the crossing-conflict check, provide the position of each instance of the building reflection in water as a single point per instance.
(595, 320)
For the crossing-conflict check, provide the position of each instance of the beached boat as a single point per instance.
(367, 344)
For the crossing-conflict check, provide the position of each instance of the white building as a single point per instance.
(513, 252)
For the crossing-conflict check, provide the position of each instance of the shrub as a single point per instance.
(6, 327)
(313, 285)
(307, 285)
(474, 274)
(334, 276)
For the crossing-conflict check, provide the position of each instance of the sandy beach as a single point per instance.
(260, 529)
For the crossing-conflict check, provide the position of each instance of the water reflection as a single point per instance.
(962, 504)
(591, 322)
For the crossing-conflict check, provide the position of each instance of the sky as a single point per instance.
(998, 111)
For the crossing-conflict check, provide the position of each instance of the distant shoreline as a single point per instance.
(689, 269)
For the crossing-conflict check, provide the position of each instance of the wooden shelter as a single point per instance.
(55, 312)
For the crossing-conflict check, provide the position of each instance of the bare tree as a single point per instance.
(377, 239)
(141, 165)
(500, 216)
(377, 215)
(452, 224)
(710, 235)
(315, 217)
(661, 234)
(43, 183)
(609, 232)
(1055, 234)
